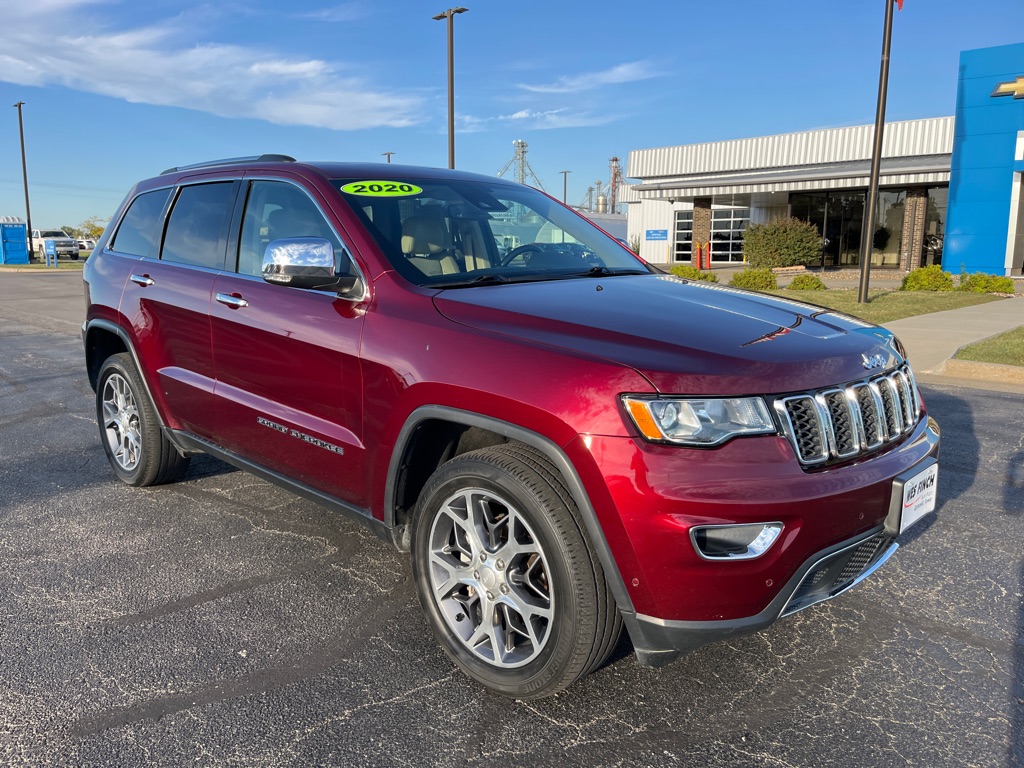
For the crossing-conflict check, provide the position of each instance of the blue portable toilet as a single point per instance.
(13, 241)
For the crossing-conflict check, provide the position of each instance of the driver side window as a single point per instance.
(276, 210)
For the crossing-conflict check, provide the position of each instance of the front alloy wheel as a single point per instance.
(489, 577)
(506, 574)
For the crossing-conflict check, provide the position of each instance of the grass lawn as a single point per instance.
(885, 306)
(1005, 349)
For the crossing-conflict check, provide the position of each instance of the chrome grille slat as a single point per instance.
(847, 421)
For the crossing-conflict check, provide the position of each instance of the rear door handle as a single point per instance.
(142, 280)
(232, 300)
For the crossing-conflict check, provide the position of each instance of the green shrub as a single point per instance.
(928, 279)
(687, 272)
(979, 282)
(781, 243)
(755, 280)
(807, 283)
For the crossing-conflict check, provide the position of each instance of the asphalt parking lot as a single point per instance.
(221, 621)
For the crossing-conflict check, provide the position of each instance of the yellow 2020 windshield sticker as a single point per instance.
(381, 189)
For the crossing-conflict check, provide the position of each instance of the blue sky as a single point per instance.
(116, 90)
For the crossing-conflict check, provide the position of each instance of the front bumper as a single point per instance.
(828, 574)
(835, 534)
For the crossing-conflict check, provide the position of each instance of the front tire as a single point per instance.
(506, 576)
(130, 431)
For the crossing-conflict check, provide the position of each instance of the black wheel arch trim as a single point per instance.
(117, 330)
(550, 449)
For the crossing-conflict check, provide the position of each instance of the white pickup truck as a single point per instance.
(63, 244)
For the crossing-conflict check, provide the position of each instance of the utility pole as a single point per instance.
(24, 175)
(450, 15)
(388, 155)
(565, 179)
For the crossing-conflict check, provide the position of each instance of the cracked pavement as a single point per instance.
(222, 621)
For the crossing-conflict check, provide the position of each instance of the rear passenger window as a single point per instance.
(197, 229)
(139, 233)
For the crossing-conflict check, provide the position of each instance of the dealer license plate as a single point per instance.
(919, 496)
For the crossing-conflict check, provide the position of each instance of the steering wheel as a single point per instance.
(508, 257)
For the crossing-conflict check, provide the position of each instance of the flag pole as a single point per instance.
(868, 230)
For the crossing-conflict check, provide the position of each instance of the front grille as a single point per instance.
(840, 423)
(839, 571)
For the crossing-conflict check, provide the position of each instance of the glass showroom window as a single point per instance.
(727, 227)
(683, 236)
(934, 225)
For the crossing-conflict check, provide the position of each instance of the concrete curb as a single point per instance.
(969, 369)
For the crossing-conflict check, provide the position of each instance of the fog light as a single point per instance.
(734, 542)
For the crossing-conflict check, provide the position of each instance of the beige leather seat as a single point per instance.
(425, 242)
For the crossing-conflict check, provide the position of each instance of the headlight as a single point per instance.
(698, 421)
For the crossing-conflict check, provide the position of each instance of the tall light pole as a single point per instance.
(388, 155)
(565, 179)
(24, 175)
(450, 15)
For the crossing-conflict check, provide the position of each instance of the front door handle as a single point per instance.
(142, 280)
(232, 300)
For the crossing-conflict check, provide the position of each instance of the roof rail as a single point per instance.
(233, 161)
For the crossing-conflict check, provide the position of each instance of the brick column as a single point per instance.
(912, 242)
(701, 222)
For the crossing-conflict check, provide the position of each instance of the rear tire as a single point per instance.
(506, 576)
(130, 431)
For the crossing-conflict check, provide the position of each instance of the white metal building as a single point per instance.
(709, 193)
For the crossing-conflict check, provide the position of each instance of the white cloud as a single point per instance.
(161, 64)
(588, 81)
(344, 12)
(529, 119)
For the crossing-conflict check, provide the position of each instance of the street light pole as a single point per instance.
(868, 230)
(24, 175)
(388, 155)
(565, 179)
(450, 15)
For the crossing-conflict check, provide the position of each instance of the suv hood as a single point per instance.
(684, 337)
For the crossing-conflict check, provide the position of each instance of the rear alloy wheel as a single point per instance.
(506, 576)
(130, 429)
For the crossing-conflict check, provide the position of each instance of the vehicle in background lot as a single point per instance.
(86, 245)
(63, 244)
(565, 440)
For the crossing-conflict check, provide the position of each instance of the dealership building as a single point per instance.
(949, 187)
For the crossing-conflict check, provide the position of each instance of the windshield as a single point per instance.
(53, 233)
(453, 233)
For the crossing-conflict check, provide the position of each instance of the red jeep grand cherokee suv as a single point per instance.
(567, 440)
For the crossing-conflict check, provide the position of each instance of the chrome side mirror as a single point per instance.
(305, 262)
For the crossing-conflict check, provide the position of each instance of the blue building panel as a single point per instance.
(981, 219)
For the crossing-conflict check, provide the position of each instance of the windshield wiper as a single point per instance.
(608, 272)
(479, 280)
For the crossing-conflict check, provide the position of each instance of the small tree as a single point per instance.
(786, 242)
(92, 228)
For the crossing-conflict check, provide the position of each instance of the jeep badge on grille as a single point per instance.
(875, 361)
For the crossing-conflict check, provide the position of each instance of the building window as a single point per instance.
(683, 250)
(888, 235)
(727, 227)
(934, 225)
